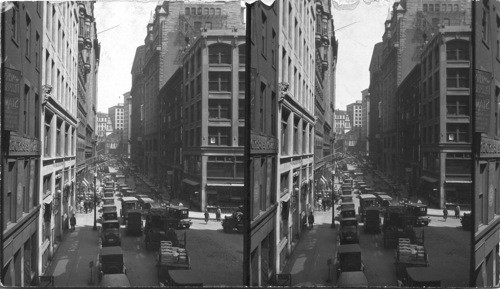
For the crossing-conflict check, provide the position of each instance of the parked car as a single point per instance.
(110, 233)
(110, 262)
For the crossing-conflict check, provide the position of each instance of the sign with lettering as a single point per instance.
(12, 90)
(19, 146)
(483, 103)
(490, 148)
(260, 144)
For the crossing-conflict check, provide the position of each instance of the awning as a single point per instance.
(225, 185)
(323, 179)
(48, 199)
(85, 182)
(190, 182)
(285, 198)
(458, 181)
(429, 179)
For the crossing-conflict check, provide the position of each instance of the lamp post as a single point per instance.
(95, 201)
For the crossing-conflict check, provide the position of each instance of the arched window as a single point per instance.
(218, 11)
(193, 11)
(206, 11)
(457, 50)
(425, 8)
(199, 10)
(212, 11)
(219, 53)
(187, 11)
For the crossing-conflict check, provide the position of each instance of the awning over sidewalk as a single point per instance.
(428, 179)
(449, 180)
(225, 185)
(190, 182)
(85, 182)
(48, 199)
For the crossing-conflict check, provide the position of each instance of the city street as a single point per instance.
(216, 257)
(447, 245)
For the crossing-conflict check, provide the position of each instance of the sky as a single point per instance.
(356, 46)
(118, 45)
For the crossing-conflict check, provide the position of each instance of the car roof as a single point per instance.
(420, 274)
(147, 200)
(113, 250)
(349, 248)
(372, 209)
(349, 219)
(367, 196)
(129, 199)
(416, 205)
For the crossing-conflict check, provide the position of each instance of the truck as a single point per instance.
(372, 220)
(398, 224)
(160, 227)
(134, 222)
(348, 259)
(235, 222)
(366, 201)
(409, 255)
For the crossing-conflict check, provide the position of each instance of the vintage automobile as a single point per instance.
(348, 259)
(134, 222)
(372, 220)
(109, 212)
(108, 201)
(110, 262)
(110, 233)
(352, 279)
(422, 277)
(466, 221)
(128, 203)
(232, 223)
(348, 233)
(418, 213)
(178, 217)
(347, 205)
(115, 280)
(346, 199)
(366, 201)
(347, 212)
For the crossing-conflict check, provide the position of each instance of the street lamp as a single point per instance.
(95, 201)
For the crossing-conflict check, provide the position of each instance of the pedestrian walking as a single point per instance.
(72, 221)
(324, 204)
(218, 213)
(445, 214)
(310, 220)
(457, 212)
(207, 216)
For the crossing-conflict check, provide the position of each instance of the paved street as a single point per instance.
(446, 242)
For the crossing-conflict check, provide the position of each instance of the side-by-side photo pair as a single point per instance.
(250, 143)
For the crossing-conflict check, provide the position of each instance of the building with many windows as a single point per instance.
(171, 31)
(66, 130)
(445, 124)
(365, 120)
(127, 110)
(486, 143)
(116, 114)
(102, 122)
(374, 117)
(355, 112)
(213, 120)
(260, 267)
(22, 97)
(136, 112)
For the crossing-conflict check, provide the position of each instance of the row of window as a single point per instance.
(440, 7)
(217, 136)
(294, 146)
(202, 11)
(20, 189)
(455, 132)
(59, 137)
(262, 167)
(31, 50)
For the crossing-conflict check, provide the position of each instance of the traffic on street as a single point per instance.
(379, 238)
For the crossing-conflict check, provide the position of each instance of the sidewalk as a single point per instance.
(308, 262)
(198, 215)
(70, 264)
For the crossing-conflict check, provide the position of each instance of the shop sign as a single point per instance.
(483, 103)
(23, 146)
(490, 148)
(12, 90)
(259, 143)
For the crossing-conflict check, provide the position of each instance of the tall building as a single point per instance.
(127, 110)
(365, 120)
(445, 124)
(486, 142)
(69, 75)
(213, 116)
(102, 121)
(355, 112)
(296, 70)
(171, 134)
(324, 91)
(136, 114)
(22, 97)
(409, 24)
(261, 248)
(408, 132)
(117, 116)
(374, 117)
(172, 29)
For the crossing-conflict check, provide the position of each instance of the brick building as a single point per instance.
(365, 120)
(374, 117)
(486, 145)
(136, 112)
(22, 98)
(174, 26)
(260, 255)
